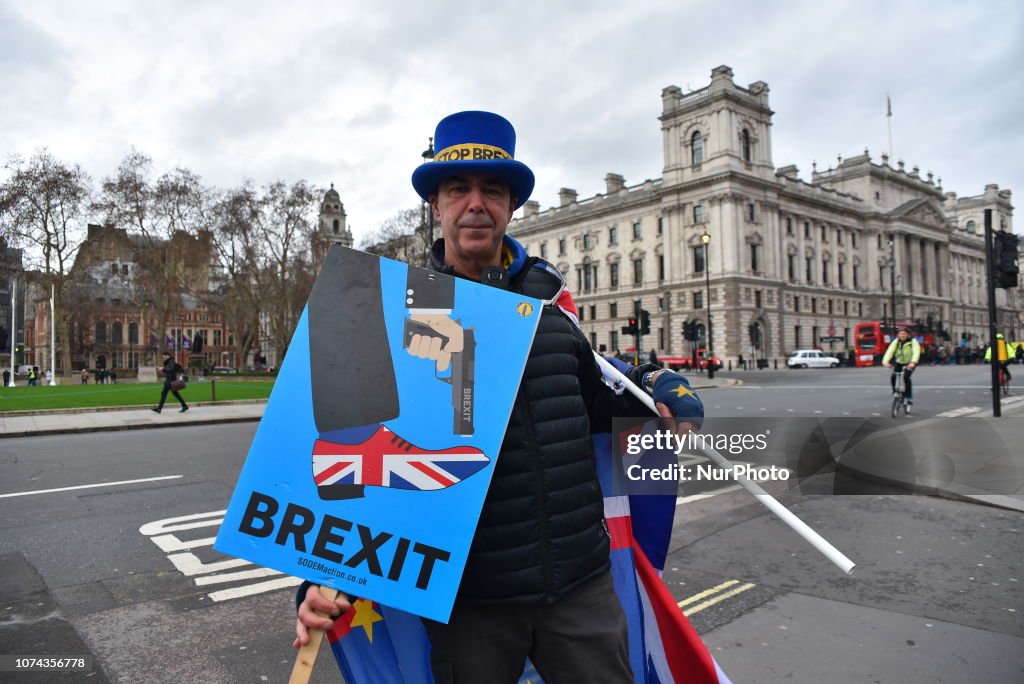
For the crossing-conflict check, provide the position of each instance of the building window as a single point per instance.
(796, 303)
(661, 225)
(754, 265)
(613, 310)
(698, 213)
(809, 270)
(637, 234)
(593, 312)
(853, 240)
(614, 340)
(543, 250)
(750, 212)
(814, 305)
(613, 236)
(336, 226)
(807, 230)
(789, 226)
(829, 307)
(797, 337)
(846, 308)
(696, 148)
(791, 267)
(746, 145)
(586, 241)
(757, 298)
(698, 259)
(661, 267)
(839, 236)
(814, 336)
(593, 340)
(116, 333)
(594, 270)
(698, 300)
(860, 308)
(124, 269)
(561, 247)
(614, 274)
(113, 269)
(971, 227)
(638, 271)
(824, 271)
(133, 333)
(587, 279)
(583, 314)
(842, 275)
(101, 332)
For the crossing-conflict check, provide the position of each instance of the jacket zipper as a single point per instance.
(542, 518)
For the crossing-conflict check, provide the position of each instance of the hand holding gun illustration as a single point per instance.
(430, 333)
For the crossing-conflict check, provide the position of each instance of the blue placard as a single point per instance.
(369, 468)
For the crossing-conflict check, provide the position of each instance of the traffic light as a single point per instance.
(1006, 269)
(690, 330)
(645, 322)
(630, 327)
(755, 335)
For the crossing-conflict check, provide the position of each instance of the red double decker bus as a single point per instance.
(870, 340)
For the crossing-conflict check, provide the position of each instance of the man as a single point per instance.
(171, 369)
(902, 355)
(537, 581)
(1002, 355)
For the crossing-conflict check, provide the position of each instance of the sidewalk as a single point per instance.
(127, 418)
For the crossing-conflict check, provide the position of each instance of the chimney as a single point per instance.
(613, 182)
(531, 208)
(566, 196)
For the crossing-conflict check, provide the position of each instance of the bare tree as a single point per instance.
(44, 207)
(402, 237)
(160, 212)
(263, 241)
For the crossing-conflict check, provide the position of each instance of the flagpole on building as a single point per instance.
(888, 119)
(783, 513)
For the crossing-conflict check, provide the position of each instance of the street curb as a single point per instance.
(120, 428)
(107, 409)
(994, 500)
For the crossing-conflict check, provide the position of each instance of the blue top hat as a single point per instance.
(474, 142)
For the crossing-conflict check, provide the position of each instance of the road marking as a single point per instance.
(712, 592)
(962, 411)
(91, 486)
(164, 533)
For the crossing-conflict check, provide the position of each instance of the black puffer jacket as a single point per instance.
(542, 528)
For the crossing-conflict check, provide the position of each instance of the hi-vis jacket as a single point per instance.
(903, 353)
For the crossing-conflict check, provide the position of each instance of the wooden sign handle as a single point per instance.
(306, 658)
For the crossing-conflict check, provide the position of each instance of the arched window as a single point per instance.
(696, 148)
(133, 333)
(116, 333)
(746, 145)
(971, 227)
(101, 332)
(337, 226)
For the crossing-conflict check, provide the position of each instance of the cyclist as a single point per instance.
(902, 355)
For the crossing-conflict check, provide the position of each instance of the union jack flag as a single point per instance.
(387, 460)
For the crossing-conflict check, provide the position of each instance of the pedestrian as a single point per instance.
(171, 369)
(1018, 355)
(740, 363)
(85, 376)
(49, 376)
(33, 375)
(519, 586)
(7, 378)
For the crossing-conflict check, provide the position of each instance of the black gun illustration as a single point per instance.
(462, 378)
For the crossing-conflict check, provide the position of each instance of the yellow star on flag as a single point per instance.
(683, 391)
(365, 617)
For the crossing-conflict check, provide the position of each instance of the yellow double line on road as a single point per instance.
(714, 592)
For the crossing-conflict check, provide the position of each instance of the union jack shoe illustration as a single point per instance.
(341, 471)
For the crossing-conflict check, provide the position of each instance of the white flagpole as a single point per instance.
(888, 119)
(14, 325)
(783, 513)
(53, 338)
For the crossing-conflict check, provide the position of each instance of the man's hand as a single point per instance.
(911, 366)
(430, 347)
(314, 611)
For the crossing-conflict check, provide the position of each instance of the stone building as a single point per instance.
(799, 260)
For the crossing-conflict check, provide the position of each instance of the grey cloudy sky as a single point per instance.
(347, 92)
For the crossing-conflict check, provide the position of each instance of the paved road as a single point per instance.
(125, 571)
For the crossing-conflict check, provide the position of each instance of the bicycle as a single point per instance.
(899, 398)
(1004, 381)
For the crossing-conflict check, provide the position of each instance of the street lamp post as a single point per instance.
(892, 284)
(709, 352)
(428, 155)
